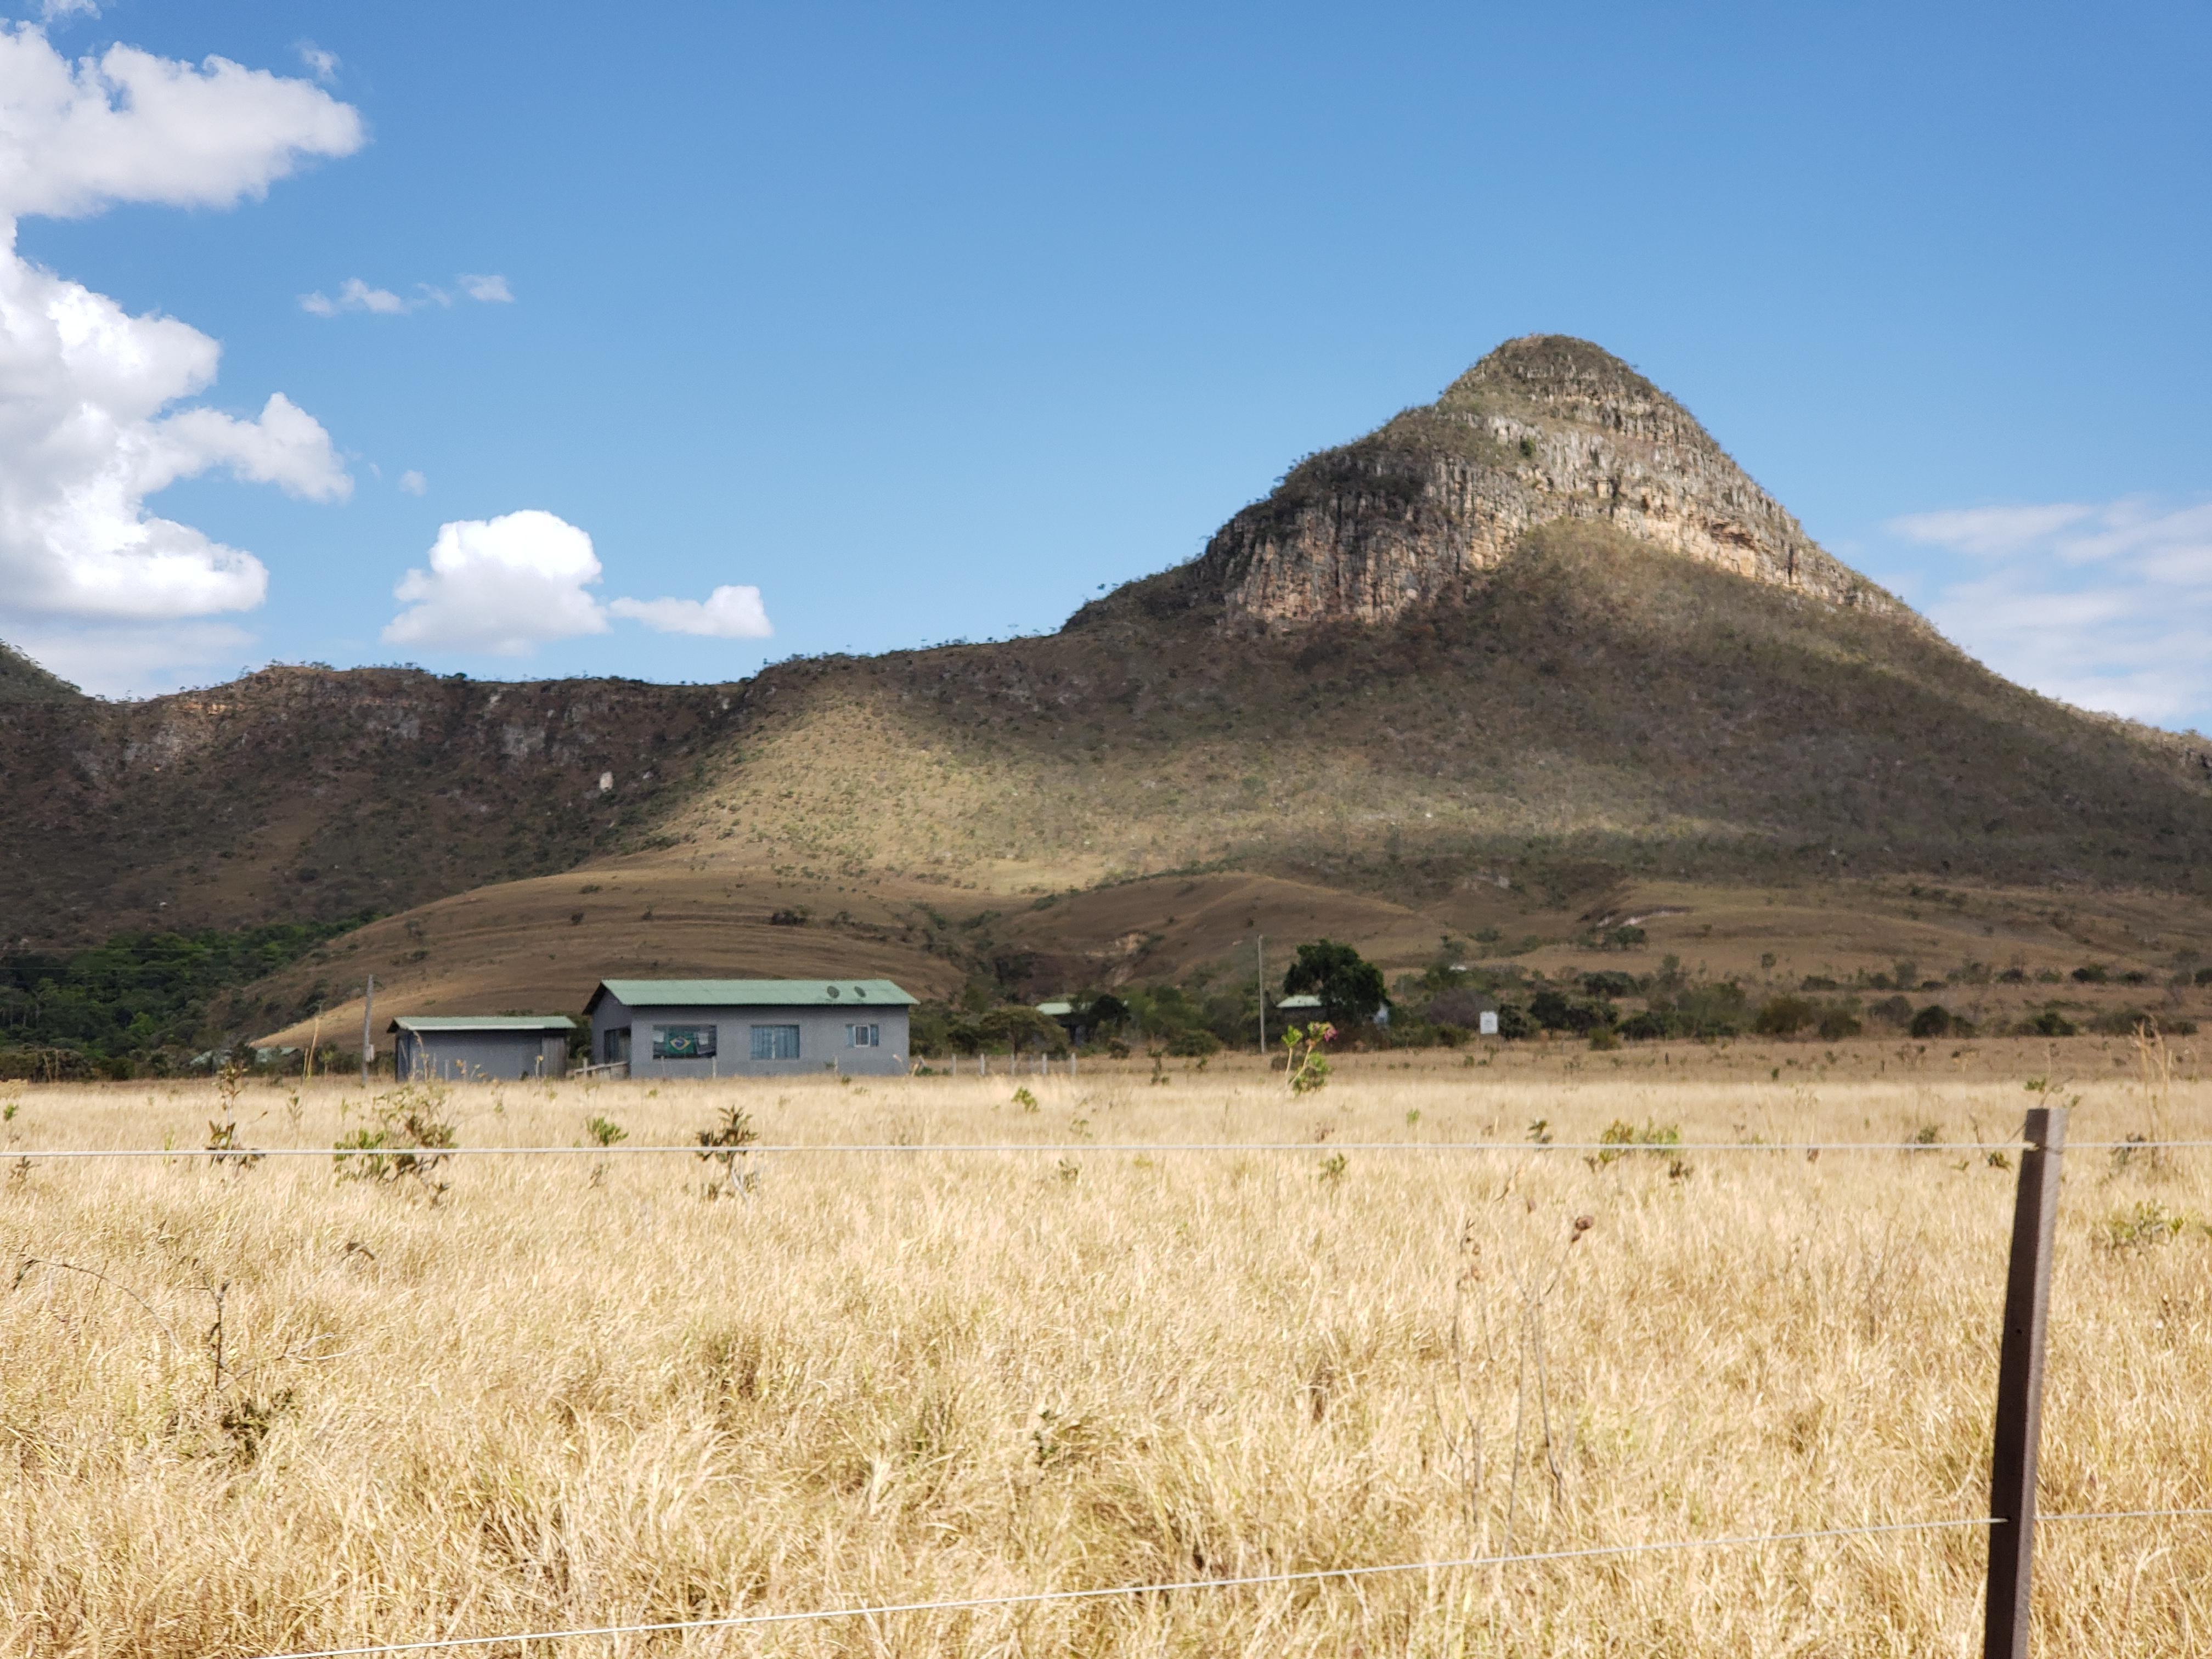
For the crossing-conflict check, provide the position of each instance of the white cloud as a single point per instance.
(502, 585)
(727, 613)
(354, 295)
(88, 426)
(84, 441)
(414, 483)
(60, 11)
(131, 127)
(323, 65)
(2107, 607)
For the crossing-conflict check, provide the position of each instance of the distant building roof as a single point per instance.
(1301, 1002)
(752, 993)
(1054, 1010)
(483, 1023)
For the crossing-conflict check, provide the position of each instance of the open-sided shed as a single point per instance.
(467, 1047)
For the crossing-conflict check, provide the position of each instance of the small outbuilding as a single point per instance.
(468, 1048)
(701, 1028)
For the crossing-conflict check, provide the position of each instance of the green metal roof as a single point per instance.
(483, 1023)
(752, 993)
(1307, 1000)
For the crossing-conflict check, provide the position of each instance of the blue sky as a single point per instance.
(928, 322)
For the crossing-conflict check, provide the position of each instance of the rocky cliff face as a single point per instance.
(1545, 427)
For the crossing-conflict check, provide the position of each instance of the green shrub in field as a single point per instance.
(1933, 1021)
(1838, 1024)
(1785, 1016)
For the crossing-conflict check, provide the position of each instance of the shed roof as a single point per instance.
(1305, 1000)
(1054, 1010)
(481, 1022)
(752, 993)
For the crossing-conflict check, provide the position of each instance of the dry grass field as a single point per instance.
(247, 1410)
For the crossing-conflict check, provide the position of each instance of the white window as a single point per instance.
(864, 1036)
(775, 1042)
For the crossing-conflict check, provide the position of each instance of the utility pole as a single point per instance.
(368, 1030)
(1260, 967)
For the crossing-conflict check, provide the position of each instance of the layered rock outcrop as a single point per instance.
(1543, 428)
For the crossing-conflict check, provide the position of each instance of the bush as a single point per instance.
(1891, 1011)
(1350, 986)
(1933, 1021)
(1514, 1022)
(1785, 1016)
(1836, 1024)
(1457, 1006)
(2204, 975)
(1604, 1037)
(2049, 1023)
(1194, 1044)
(1608, 985)
(1646, 1027)
(2090, 974)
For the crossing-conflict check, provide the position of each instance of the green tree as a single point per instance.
(1349, 986)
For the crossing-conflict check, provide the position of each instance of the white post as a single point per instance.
(368, 1030)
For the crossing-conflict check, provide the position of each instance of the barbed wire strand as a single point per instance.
(1618, 1148)
(1030, 1598)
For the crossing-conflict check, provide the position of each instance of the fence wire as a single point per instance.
(1618, 1148)
(1034, 1598)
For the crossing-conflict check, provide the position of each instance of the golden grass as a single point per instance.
(563, 1394)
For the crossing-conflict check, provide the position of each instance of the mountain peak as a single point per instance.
(1546, 427)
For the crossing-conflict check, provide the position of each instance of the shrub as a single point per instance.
(2013, 977)
(1350, 986)
(1514, 1022)
(1785, 1016)
(1836, 1024)
(1891, 1011)
(1604, 1037)
(2204, 975)
(1194, 1044)
(1457, 1006)
(1608, 985)
(1646, 1027)
(2091, 973)
(2049, 1023)
(1933, 1021)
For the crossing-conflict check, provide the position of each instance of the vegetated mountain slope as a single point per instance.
(1592, 697)
(304, 794)
(22, 680)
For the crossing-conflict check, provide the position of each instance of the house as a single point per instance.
(469, 1047)
(749, 1027)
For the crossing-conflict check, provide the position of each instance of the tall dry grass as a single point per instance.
(565, 1394)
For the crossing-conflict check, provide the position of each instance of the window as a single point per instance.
(684, 1041)
(775, 1042)
(864, 1036)
(616, 1046)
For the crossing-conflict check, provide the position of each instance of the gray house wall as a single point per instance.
(821, 1039)
(457, 1056)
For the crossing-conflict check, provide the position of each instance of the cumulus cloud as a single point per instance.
(502, 585)
(88, 426)
(2108, 606)
(727, 613)
(128, 126)
(414, 483)
(354, 295)
(323, 65)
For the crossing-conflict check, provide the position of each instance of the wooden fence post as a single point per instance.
(2020, 1387)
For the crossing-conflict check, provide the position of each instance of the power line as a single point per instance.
(1030, 1598)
